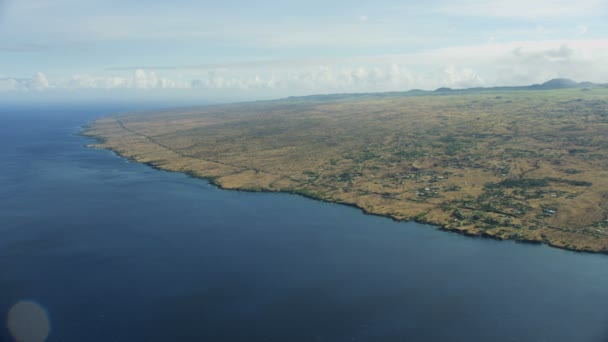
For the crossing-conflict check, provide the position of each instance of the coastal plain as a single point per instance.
(526, 165)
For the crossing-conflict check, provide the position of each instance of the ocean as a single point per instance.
(112, 250)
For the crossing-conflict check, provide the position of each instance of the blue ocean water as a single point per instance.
(118, 251)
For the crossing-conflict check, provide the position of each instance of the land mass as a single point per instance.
(522, 163)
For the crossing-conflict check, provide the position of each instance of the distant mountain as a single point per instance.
(556, 83)
(559, 83)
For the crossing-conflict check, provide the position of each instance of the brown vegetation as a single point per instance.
(524, 165)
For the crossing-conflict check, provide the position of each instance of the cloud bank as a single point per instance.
(516, 63)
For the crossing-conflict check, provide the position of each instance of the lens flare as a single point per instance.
(28, 322)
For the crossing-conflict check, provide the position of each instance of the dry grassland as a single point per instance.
(525, 165)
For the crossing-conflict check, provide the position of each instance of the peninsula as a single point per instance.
(522, 163)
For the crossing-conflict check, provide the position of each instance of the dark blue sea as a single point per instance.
(118, 251)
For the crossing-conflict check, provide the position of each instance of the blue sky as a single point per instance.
(263, 49)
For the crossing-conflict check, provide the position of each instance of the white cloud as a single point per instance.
(461, 78)
(140, 79)
(144, 79)
(86, 81)
(340, 78)
(11, 84)
(39, 82)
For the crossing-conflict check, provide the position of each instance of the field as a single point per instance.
(528, 165)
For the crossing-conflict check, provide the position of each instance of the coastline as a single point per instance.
(86, 131)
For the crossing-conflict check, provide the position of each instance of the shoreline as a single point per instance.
(84, 132)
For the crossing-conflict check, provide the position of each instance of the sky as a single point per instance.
(233, 50)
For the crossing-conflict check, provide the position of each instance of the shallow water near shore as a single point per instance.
(119, 251)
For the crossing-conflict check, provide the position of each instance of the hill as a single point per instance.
(561, 83)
